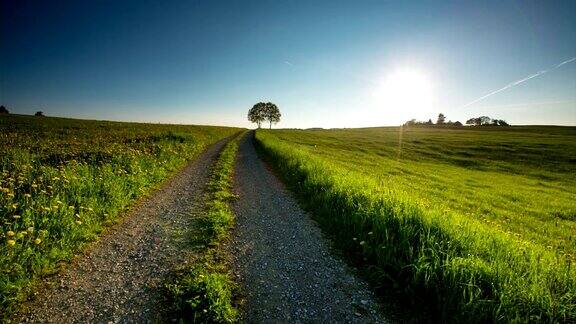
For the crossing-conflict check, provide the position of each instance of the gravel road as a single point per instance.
(120, 278)
(284, 265)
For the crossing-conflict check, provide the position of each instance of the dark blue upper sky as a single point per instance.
(325, 63)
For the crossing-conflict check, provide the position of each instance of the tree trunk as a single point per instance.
(270, 125)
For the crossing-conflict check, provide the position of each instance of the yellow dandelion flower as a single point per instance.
(11, 242)
(10, 233)
(37, 241)
(78, 222)
(30, 230)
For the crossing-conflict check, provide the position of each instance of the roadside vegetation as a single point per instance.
(477, 223)
(63, 180)
(203, 291)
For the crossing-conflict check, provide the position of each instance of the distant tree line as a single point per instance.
(4, 111)
(262, 112)
(441, 121)
(486, 121)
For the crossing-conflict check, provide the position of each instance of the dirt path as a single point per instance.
(284, 265)
(120, 278)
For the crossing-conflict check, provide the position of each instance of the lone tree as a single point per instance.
(441, 119)
(3, 110)
(272, 113)
(256, 114)
(261, 112)
(39, 114)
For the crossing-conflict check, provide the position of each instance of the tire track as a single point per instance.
(120, 277)
(284, 266)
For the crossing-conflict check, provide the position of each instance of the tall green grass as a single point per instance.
(64, 180)
(464, 267)
(203, 292)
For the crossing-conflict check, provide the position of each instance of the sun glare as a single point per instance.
(405, 94)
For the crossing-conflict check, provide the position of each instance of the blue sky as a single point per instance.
(324, 63)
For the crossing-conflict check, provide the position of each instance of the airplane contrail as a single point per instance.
(515, 83)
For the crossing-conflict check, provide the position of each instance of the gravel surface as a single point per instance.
(121, 277)
(285, 267)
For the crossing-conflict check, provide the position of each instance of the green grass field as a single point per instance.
(64, 180)
(479, 221)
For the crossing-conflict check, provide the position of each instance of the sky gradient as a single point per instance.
(324, 63)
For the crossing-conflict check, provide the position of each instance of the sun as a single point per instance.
(404, 94)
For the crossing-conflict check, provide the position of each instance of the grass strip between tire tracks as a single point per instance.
(203, 292)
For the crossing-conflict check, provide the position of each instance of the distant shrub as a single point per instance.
(39, 114)
(3, 110)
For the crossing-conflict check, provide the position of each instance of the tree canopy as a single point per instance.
(261, 112)
(3, 110)
(486, 121)
(256, 114)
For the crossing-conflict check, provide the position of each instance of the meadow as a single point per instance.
(476, 223)
(64, 180)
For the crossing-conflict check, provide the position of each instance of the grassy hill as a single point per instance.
(63, 180)
(482, 221)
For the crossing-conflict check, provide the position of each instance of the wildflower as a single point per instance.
(34, 185)
(16, 216)
(362, 242)
(90, 209)
(37, 241)
(10, 233)
(30, 230)
(354, 238)
(11, 242)
(78, 222)
(14, 206)
(27, 195)
(77, 215)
